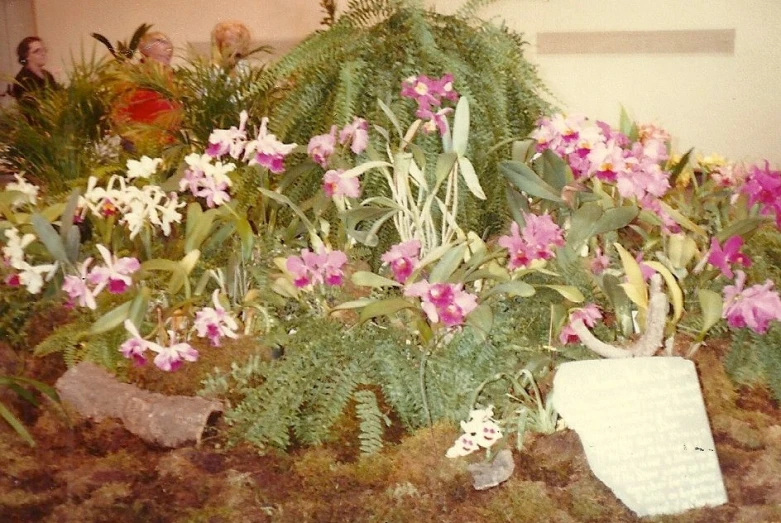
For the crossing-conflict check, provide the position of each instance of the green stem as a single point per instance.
(422, 378)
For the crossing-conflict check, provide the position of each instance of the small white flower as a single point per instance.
(13, 252)
(29, 192)
(480, 430)
(32, 276)
(143, 168)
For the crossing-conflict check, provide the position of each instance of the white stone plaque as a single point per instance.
(644, 429)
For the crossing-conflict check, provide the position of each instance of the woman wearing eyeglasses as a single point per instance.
(33, 77)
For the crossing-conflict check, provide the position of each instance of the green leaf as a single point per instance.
(522, 151)
(66, 219)
(481, 320)
(740, 228)
(679, 167)
(369, 279)
(615, 218)
(50, 238)
(682, 220)
(52, 212)
(470, 177)
(448, 264)
(445, 163)
(513, 288)
(555, 171)
(461, 126)
(138, 307)
(200, 230)
(247, 237)
(293, 207)
(386, 307)
(194, 212)
(8, 416)
(583, 224)
(635, 287)
(159, 264)
(111, 319)
(569, 292)
(712, 308)
(627, 126)
(672, 287)
(353, 304)
(620, 302)
(391, 117)
(525, 179)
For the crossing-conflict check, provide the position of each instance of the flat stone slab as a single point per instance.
(644, 429)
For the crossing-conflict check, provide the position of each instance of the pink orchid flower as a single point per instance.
(215, 322)
(267, 151)
(754, 307)
(170, 358)
(323, 267)
(115, 274)
(135, 347)
(536, 242)
(402, 258)
(336, 185)
(722, 257)
(357, 134)
(77, 289)
(445, 303)
(229, 141)
(588, 315)
(321, 147)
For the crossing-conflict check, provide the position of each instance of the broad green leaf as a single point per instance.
(111, 319)
(8, 416)
(49, 238)
(513, 288)
(391, 117)
(517, 203)
(740, 228)
(522, 150)
(138, 307)
(481, 320)
(194, 211)
(555, 171)
(620, 302)
(281, 198)
(470, 177)
(200, 231)
(583, 224)
(177, 280)
(159, 264)
(188, 262)
(672, 286)
(681, 248)
(369, 279)
(682, 220)
(627, 126)
(448, 264)
(247, 237)
(386, 307)
(284, 287)
(445, 163)
(639, 292)
(72, 244)
(712, 307)
(461, 126)
(354, 304)
(52, 212)
(569, 292)
(616, 218)
(66, 219)
(525, 179)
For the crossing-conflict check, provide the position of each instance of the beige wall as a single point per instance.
(729, 104)
(725, 103)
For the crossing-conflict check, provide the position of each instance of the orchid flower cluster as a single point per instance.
(114, 275)
(429, 94)
(206, 175)
(168, 357)
(23, 273)
(535, 242)
(480, 430)
(763, 188)
(594, 150)
(135, 207)
(323, 267)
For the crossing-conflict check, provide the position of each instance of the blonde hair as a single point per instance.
(231, 38)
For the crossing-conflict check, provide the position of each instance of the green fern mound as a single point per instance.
(340, 73)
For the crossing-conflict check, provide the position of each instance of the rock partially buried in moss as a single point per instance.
(487, 475)
(168, 421)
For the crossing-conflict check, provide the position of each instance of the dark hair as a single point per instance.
(23, 49)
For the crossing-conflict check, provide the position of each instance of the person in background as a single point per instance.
(231, 41)
(33, 78)
(157, 47)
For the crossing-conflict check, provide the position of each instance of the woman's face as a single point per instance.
(159, 51)
(37, 54)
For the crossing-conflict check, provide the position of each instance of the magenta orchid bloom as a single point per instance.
(754, 307)
(77, 289)
(135, 347)
(445, 303)
(599, 263)
(321, 147)
(229, 141)
(214, 191)
(357, 134)
(402, 258)
(214, 323)
(536, 242)
(445, 88)
(323, 267)
(588, 315)
(170, 358)
(436, 121)
(763, 187)
(722, 257)
(422, 89)
(335, 184)
(116, 273)
(267, 151)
